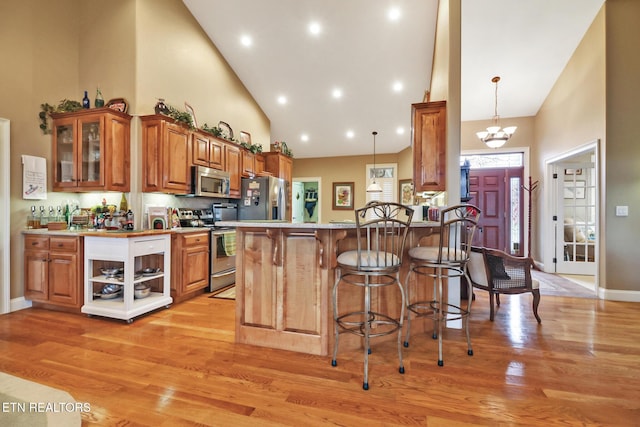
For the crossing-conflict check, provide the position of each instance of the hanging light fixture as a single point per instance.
(494, 136)
(374, 187)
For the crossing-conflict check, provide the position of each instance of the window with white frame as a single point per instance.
(387, 177)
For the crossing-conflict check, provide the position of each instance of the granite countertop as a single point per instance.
(308, 225)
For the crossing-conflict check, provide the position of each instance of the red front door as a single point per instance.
(488, 188)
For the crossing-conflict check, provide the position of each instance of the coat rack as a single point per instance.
(532, 187)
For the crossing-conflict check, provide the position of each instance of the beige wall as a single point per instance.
(347, 169)
(136, 49)
(622, 161)
(572, 115)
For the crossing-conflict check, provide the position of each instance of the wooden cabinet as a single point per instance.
(232, 165)
(283, 303)
(91, 151)
(189, 264)
(166, 160)
(248, 163)
(53, 270)
(207, 151)
(281, 166)
(429, 136)
(260, 163)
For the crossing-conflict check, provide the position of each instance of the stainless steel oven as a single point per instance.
(223, 258)
(223, 247)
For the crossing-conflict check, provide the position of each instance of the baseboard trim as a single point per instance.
(619, 295)
(19, 304)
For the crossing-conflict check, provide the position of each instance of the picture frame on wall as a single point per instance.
(245, 137)
(405, 192)
(343, 195)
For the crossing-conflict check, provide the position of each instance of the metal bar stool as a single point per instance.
(381, 233)
(446, 261)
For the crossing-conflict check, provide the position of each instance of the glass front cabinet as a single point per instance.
(91, 150)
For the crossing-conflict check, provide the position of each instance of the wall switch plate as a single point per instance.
(622, 210)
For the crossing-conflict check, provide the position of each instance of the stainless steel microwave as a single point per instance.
(209, 182)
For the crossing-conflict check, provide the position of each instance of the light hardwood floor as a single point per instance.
(180, 367)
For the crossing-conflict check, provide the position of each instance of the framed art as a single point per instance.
(227, 132)
(118, 104)
(574, 191)
(189, 109)
(405, 192)
(342, 195)
(245, 137)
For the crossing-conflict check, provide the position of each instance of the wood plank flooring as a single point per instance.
(180, 367)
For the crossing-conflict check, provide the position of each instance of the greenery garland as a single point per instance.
(65, 106)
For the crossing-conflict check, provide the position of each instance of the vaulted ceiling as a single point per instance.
(328, 73)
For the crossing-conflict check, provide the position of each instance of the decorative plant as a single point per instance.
(284, 149)
(181, 116)
(215, 130)
(65, 106)
(254, 148)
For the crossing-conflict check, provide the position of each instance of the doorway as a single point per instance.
(496, 183)
(573, 221)
(305, 200)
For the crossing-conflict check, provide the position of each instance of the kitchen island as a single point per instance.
(284, 276)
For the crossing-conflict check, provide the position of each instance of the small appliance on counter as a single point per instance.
(158, 217)
(263, 198)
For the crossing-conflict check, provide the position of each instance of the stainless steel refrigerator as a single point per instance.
(263, 198)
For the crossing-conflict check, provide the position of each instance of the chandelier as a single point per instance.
(494, 136)
(374, 187)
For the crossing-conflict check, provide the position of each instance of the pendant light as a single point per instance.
(374, 187)
(494, 136)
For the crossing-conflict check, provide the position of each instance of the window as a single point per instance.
(386, 177)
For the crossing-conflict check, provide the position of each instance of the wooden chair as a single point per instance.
(497, 272)
(382, 230)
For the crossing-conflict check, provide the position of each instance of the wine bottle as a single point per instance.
(99, 102)
(85, 101)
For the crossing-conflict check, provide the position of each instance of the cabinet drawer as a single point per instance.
(36, 242)
(146, 247)
(66, 244)
(196, 239)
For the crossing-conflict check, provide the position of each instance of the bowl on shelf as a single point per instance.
(150, 271)
(109, 291)
(142, 290)
(110, 271)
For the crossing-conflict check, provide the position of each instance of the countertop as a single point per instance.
(309, 225)
(112, 233)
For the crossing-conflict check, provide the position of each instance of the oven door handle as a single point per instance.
(225, 273)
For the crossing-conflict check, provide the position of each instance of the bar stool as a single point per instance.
(381, 233)
(446, 261)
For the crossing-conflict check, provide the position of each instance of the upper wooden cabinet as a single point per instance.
(248, 163)
(429, 136)
(91, 151)
(233, 162)
(207, 150)
(166, 160)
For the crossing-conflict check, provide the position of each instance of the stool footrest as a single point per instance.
(380, 324)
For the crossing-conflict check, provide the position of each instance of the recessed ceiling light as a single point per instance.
(282, 100)
(394, 14)
(246, 40)
(397, 86)
(304, 137)
(336, 93)
(400, 130)
(315, 28)
(350, 134)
